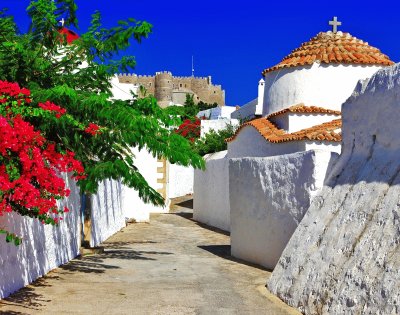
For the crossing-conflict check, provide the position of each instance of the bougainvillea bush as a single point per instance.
(190, 129)
(75, 76)
(30, 165)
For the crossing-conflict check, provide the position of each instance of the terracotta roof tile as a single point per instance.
(332, 47)
(301, 108)
(323, 132)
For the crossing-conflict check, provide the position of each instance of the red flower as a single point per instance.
(29, 164)
(93, 129)
(53, 108)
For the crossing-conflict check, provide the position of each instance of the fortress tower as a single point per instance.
(163, 88)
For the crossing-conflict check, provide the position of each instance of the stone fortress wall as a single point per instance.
(169, 89)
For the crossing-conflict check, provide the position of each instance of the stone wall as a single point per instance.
(344, 257)
(164, 84)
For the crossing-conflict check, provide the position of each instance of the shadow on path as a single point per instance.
(224, 251)
(27, 296)
(96, 263)
(185, 204)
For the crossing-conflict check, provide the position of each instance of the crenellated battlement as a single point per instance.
(172, 89)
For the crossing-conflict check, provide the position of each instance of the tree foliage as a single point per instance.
(77, 77)
(214, 141)
(190, 109)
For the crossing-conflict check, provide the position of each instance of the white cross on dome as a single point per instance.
(335, 23)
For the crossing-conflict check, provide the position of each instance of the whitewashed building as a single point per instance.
(278, 163)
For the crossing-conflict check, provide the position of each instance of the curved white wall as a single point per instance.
(322, 85)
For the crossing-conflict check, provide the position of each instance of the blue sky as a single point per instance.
(233, 41)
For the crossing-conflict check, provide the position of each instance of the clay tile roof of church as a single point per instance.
(324, 132)
(301, 108)
(329, 47)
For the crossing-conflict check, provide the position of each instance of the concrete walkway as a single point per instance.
(170, 266)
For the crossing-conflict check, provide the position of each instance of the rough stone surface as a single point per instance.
(170, 266)
(344, 258)
(268, 199)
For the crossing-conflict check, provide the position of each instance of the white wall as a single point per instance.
(249, 142)
(43, 248)
(247, 111)
(122, 91)
(321, 85)
(217, 112)
(132, 205)
(324, 146)
(268, 199)
(180, 180)
(107, 216)
(296, 122)
(211, 192)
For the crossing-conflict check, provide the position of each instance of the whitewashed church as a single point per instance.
(277, 163)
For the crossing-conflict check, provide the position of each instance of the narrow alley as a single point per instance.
(171, 265)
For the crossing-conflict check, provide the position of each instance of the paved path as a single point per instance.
(170, 266)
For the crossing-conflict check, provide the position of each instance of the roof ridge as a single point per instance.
(267, 129)
(302, 108)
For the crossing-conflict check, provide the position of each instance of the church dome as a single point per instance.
(321, 72)
(330, 47)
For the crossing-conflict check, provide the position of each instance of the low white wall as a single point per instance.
(180, 180)
(107, 215)
(211, 192)
(43, 248)
(268, 198)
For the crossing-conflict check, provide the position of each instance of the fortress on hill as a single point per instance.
(170, 90)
